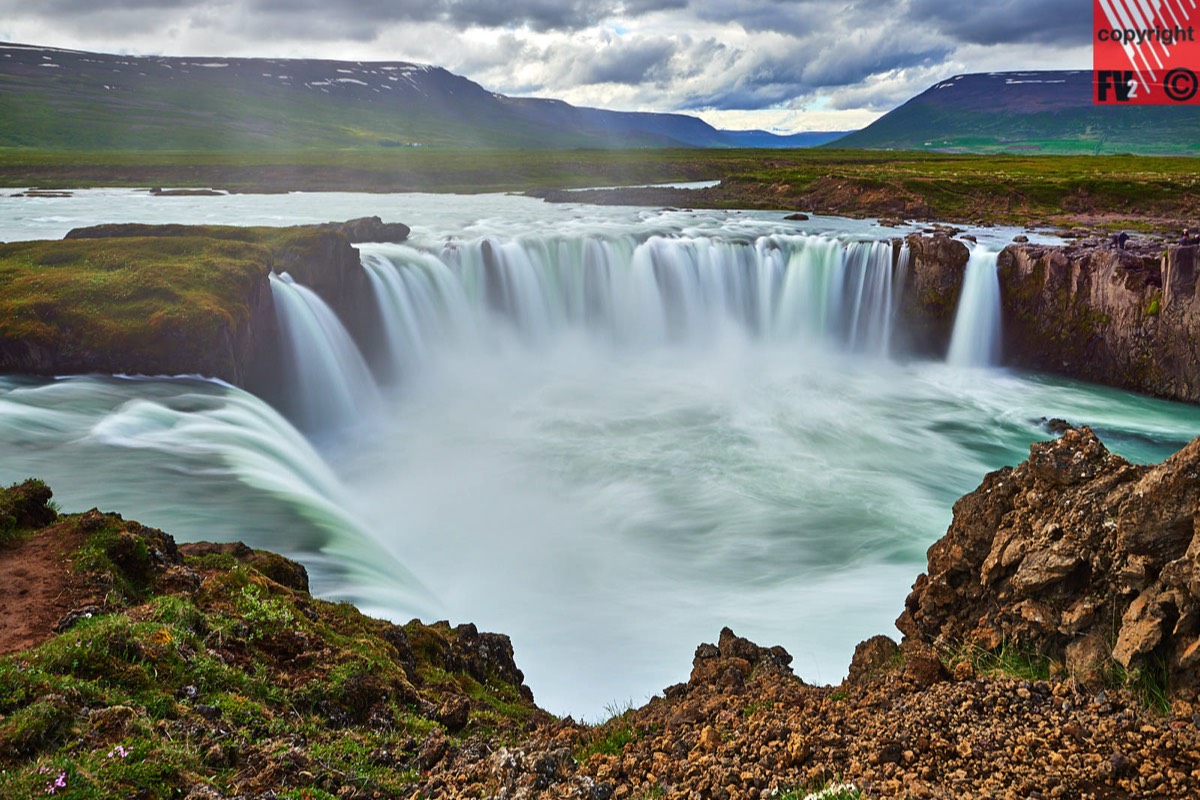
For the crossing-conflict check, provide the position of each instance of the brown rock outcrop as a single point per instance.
(369, 229)
(1075, 554)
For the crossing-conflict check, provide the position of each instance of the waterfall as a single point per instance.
(639, 293)
(328, 383)
(976, 338)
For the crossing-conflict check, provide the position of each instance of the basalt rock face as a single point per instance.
(1126, 318)
(932, 285)
(1075, 554)
(324, 260)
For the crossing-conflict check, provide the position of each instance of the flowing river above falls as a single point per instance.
(613, 432)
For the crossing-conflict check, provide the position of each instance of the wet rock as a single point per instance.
(932, 285)
(1057, 425)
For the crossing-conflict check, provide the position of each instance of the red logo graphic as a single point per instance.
(1145, 52)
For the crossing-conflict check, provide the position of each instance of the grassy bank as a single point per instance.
(125, 294)
(1000, 188)
(210, 669)
(153, 300)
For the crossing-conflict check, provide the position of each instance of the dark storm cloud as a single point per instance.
(1005, 21)
(1066, 22)
(334, 15)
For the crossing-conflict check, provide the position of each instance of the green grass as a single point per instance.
(610, 737)
(1010, 661)
(1000, 188)
(1149, 682)
(169, 689)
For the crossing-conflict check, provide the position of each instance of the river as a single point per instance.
(606, 432)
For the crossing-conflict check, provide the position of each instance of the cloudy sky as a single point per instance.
(783, 65)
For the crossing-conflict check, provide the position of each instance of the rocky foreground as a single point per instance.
(1048, 653)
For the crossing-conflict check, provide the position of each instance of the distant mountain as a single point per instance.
(72, 100)
(766, 139)
(1039, 112)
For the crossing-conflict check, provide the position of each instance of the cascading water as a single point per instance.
(976, 338)
(641, 293)
(330, 385)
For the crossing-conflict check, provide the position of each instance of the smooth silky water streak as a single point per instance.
(975, 341)
(202, 460)
(330, 385)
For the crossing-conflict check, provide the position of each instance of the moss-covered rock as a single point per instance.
(24, 506)
(191, 304)
(175, 299)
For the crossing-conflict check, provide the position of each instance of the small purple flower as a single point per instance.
(119, 751)
(60, 782)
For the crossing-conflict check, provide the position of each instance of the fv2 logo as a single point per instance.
(1116, 85)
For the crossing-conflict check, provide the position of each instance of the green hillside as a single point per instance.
(1029, 112)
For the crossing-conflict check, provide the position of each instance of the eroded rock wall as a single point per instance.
(1125, 318)
(932, 285)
